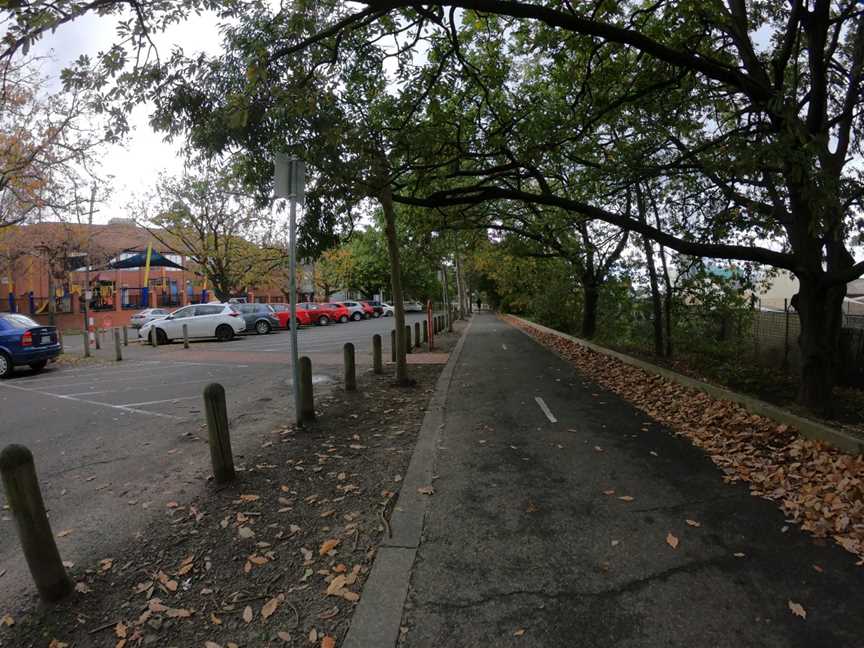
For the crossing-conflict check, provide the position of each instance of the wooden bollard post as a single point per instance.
(125, 336)
(25, 500)
(377, 360)
(217, 431)
(450, 321)
(417, 334)
(425, 331)
(393, 345)
(185, 336)
(86, 343)
(118, 349)
(407, 338)
(154, 339)
(97, 337)
(350, 369)
(307, 398)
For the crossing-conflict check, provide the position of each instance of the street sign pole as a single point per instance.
(295, 355)
(289, 181)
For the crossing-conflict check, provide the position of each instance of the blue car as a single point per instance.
(24, 342)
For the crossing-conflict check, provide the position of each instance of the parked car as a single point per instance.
(147, 315)
(25, 342)
(386, 310)
(221, 321)
(355, 310)
(334, 311)
(377, 307)
(259, 317)
(413, 307)
(368, 309)
(320, 314)
(283, 313)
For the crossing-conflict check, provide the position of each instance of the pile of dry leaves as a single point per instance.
(817, 487)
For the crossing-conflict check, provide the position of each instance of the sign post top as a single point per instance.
(289, 177)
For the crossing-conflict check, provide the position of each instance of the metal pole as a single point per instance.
(292, 282)
(87, 277)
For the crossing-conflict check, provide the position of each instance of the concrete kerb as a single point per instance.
(807, 428)
(378, 615)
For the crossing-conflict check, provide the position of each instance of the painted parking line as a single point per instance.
(112, 379)
(545, 408)
(157, 402)
(91, 402)
(133, 389)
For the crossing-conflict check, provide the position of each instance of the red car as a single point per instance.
(339, 312)
(368, 309)
(323, 314)
(283, 312)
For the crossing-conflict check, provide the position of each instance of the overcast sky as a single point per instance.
(135, 164)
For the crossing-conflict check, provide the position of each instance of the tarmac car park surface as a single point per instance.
(114, 439)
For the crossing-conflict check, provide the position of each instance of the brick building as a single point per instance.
(42, 259)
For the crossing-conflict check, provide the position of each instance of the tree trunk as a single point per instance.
(386, 199)
(656, 307)
(460, 289)
(820, 310)
(590, 297)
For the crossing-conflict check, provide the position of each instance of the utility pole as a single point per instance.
(87, 275)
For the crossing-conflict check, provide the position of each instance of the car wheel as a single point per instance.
(262, 327)
(343, 319)
(356, 317)
(323, 320)
(377, 315)
(5, 365)
(38, 366)
(224, 333)
(162, 337)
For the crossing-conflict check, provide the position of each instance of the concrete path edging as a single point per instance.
(807, 428)
(378, 616)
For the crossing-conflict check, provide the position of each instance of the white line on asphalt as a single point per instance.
(504, 346)
(210, 364)
(129, 389)
(89, 402)
(545, 408)
(156, 402)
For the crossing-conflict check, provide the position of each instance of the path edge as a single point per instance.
(808, 428)
(378, 616)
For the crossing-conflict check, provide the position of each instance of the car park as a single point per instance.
(258, 317)
(147, 315)
(25, 342)
(356, 312)
(283, 313)
(221, 321)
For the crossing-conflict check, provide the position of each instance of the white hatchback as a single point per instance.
(355, 310)
(221, 321)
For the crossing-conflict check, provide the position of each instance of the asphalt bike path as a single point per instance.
(554, 515)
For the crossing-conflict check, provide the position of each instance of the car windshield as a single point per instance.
(20, 321)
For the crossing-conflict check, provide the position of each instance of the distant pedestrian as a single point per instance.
(479, 304)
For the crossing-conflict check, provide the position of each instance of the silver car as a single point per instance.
(146, 316)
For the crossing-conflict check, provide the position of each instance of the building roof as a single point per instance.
(103, 240)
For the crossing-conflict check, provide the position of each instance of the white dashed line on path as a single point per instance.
(504, 346)
(545, 408)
